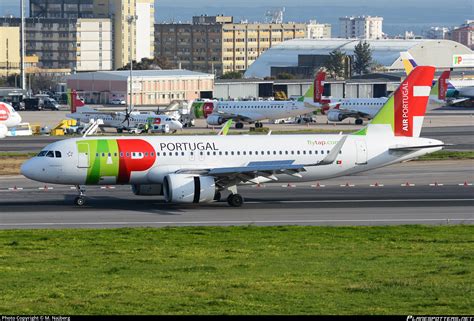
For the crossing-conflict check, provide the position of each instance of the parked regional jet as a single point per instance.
(197, 169)
(218, 112)
(8, 118)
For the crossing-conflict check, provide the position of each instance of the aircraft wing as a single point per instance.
(354, 113)
(229, 175)
(234, 117)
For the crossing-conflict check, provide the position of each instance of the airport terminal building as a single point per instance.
(150, 87)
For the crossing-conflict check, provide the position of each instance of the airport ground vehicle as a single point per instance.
(118, 101)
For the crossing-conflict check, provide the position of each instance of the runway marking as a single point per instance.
(448, 220)
(368, 200)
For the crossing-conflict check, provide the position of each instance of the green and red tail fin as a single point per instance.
(404, 111)
(314, 93)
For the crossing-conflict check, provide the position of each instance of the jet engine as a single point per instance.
(3, 131)
(148, 190)
(184, 188)
(335, 115)
(215, 120)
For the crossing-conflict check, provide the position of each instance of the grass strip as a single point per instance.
(239, 270)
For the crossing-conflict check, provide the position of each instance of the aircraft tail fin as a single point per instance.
(315, 91)
(404, 111)
(73, 101)
(408, 62)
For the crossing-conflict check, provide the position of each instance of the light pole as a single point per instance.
(131, 20)
(22, 44)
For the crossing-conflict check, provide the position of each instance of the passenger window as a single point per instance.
(250, 152)
(226, 153)
(304, 152)
(281, 153)
(58, 154)
(244, 153)
(176, 154)
(315, 152)
(274, 152)
(121, 154)
(232, 153)
(214, 153)
(164, 153)
(310, 152)
(50, 154)
(153, 154)
(238, 153)
(208, 153)
(115, 154)
(268, 152)
(220, 153)
(298, 152)
(96, 154)
(146, 154)
(182, 153)
(103, 154)
(110, 154)
(286, 152)
(292, 152)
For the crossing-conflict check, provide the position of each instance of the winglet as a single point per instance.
(331, 157)
(225, 128)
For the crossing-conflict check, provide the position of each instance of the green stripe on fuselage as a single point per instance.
(103, 159)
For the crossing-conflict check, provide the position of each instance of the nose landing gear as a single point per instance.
(80, 200)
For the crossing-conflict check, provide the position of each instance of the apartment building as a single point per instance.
(140, 28)
(62, 8)
(217, 45)
(9, 50)
(317, 30)
(463, 34)
(361, 27)
(81, 44)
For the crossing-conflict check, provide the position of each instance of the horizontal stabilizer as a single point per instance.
(411, 148)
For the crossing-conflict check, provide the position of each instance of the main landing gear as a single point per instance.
(80, 200)
(239, 125)
(359, 121)
(258, 125)
(234, 199)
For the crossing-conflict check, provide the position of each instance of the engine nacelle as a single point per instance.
(184, 188)
(148, 190)
(3, 131)
(215, 120)
(335, 115)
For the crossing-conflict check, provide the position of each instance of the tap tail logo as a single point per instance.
(410, 101)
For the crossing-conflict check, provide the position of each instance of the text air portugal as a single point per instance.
(406, 101)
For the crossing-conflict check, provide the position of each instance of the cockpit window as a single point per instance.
(42, 153)
(50, 154)
(58, 154)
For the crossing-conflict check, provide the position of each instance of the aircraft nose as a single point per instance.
(28, 169)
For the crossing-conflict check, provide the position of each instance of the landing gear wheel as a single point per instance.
(359, 121)
(79, 201)
(217, 197)
(258, 125)
(239, 125)
(235, 200)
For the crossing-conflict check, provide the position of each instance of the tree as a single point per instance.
(232, 75)
(335, 64)
(285, 75)
(155, 63)
(363, 58)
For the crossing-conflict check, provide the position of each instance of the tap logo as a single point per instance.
(4, 112)
(457, 60)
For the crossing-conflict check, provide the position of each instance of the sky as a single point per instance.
(399, 15)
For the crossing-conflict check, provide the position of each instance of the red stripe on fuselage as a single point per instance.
(134, 163)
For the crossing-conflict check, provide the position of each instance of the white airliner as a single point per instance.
(8, 118)
(218, 112)
(197, 169)
(125, 121)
